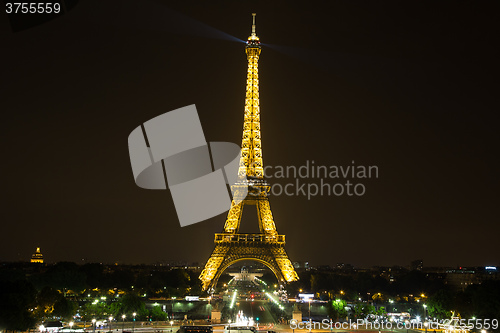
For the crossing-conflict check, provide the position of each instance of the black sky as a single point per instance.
(409, 86)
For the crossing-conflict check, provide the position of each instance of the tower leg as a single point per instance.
(212, 266)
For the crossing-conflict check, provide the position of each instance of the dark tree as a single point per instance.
(16, 298)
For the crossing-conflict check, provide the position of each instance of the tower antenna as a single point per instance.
(253, 24)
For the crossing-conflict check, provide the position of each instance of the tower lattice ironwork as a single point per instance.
(267, 247)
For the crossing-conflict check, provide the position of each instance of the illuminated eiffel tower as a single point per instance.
(266, 247)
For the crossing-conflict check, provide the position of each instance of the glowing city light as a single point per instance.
(233, 299)
(275, 301)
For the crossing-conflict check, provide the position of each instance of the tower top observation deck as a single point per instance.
(253, 39)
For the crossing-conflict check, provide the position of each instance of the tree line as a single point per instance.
(33, 293)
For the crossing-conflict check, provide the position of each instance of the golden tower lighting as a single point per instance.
(37, 257)
(266, 247)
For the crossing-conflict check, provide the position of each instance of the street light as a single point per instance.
(133, 327)
(229, 321)
(110, 320)
(425, 317)
(123, 322)
(71, 325)
(93, 325)
(310, 322)
(171, 323)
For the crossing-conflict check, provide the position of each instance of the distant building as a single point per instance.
(301, 265)
(344, 267)
(417, 265)
(324, 268)
(37, 257)
(245, 275)
(462, 277)
(389, 273)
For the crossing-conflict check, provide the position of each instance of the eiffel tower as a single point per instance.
(266, 247)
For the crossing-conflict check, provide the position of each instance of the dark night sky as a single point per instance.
(409, 86)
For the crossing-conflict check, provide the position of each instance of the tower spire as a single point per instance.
(253, 24)
(253, 40)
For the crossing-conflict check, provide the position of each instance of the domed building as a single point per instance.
(37, 257)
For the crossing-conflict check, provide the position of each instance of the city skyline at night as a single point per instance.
(396, 98)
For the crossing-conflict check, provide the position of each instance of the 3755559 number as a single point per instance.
(32, 8)
(472, 323)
